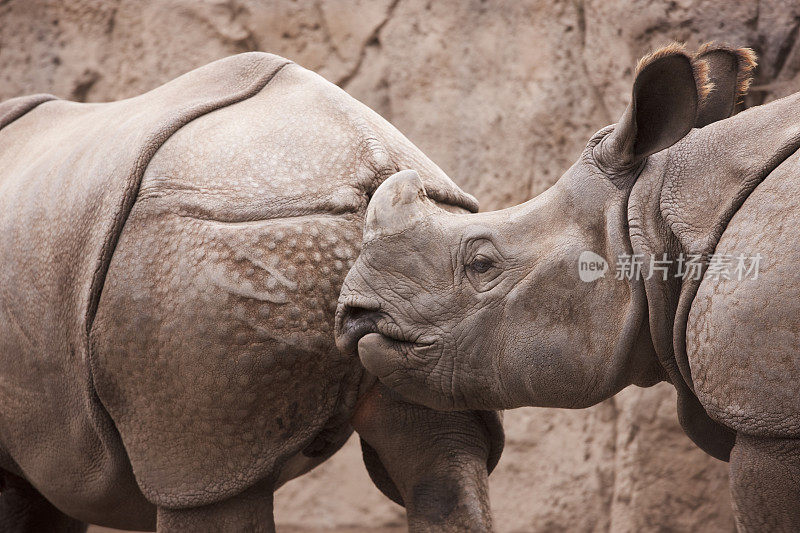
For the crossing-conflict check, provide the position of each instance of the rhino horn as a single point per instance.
(397, 204)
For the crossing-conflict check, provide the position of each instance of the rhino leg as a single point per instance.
(437, 461)
(765, 483)
(248, 511)
(23, 509)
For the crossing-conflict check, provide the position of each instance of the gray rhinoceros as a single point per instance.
(521, 306)
(169, 268)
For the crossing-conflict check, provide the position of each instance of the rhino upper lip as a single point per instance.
(362, 323)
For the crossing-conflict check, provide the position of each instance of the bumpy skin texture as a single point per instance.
(765, 483)
(170, 270)
(509, 318)
(70, 173)
(730, 358)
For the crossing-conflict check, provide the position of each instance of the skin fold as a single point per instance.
(493, 310)
(169, 271)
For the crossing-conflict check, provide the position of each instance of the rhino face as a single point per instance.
(489, 310)
(446, 308)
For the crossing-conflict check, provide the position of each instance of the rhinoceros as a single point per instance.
(169, 271)
(616, 275)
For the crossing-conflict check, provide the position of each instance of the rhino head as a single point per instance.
(517, 307)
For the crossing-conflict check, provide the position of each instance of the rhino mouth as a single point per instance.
(353, 323)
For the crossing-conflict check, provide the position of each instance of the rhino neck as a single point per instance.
(599, 208)
(634, 351)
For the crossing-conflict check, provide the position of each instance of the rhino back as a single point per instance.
(743, 336)
(213, 346)
(68, 176)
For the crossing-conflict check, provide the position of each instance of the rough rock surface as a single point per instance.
(502, 94)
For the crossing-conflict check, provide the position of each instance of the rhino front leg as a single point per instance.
(249, 511)
(436, 460)
(765, 484)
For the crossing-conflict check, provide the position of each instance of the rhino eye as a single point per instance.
(480, 265)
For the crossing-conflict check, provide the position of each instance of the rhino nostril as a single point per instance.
(350, 304)
(354, 319)
(356, 313)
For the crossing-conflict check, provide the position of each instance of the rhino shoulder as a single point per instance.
(743, 333)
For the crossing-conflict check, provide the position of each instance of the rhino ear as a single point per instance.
(730, 70)
(666, 94)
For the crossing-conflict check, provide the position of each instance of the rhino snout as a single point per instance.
(357, 318)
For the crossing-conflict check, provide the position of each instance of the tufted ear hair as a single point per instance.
(666, 95)
(730, 70)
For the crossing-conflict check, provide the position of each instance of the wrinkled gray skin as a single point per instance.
(169, 267)
(488, 310)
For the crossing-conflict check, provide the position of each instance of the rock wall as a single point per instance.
(502, 95)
